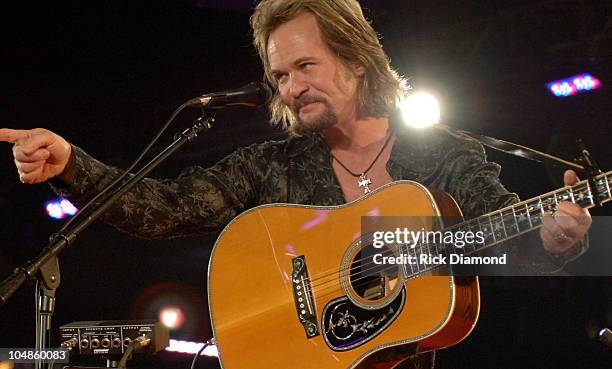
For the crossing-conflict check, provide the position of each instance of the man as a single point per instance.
(336, 94)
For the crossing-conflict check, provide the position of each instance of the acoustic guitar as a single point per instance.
(287, 288)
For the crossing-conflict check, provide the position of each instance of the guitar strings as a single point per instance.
(537, 214)
(330, 287)
(533, 206)
(333, 282)
(387, 252)
(581, 186)
(322, 282)
(364, 278)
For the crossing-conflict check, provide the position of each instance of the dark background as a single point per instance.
(106, 75)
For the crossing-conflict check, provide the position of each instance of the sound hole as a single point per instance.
(372, 281)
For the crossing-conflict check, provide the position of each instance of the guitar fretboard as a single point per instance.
(511, 221)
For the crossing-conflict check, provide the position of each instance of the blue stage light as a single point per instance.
(574, 85)
(60, 208)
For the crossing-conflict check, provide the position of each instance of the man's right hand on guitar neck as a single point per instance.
(39, 154)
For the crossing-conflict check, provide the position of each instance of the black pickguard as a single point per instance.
(346, 325)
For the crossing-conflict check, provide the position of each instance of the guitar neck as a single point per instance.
(514, 220)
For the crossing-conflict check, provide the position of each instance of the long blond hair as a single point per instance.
(349, 35)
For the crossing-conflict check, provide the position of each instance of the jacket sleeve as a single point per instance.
(198, 201)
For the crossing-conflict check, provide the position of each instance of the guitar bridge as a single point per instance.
(302, 296)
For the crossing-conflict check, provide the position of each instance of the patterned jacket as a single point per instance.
(299, 170)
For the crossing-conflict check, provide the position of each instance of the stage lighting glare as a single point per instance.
(573, 85)
(60, 208)
(54, 211)
(67, 207)
(172, 317)
(188, 347)
(420, 110)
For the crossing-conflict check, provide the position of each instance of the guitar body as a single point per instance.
(267, 257)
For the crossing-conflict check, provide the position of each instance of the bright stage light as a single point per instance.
(172, 317)
(420, 110)
(177, 306)
(574, 85)
(60, 208)
(187, 347)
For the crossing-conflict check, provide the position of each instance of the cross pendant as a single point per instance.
(364, 182)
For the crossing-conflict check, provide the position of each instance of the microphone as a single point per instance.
(605, 336)
(253, 94)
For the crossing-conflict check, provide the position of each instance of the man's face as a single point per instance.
(312, 82)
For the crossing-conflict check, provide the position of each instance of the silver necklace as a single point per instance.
(362, 179)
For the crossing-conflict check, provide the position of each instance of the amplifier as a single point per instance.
(110, 338)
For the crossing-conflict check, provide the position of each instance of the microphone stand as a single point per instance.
(45, 267)
(46, 286)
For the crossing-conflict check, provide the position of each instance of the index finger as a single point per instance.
(12, 135)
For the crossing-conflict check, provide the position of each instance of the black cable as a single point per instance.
(195, 358)
(136, 344)
(124, 358)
